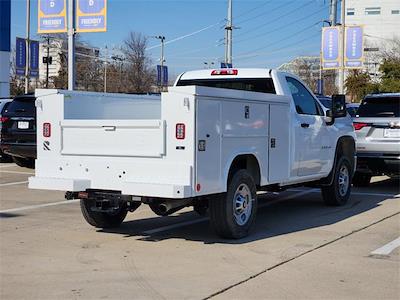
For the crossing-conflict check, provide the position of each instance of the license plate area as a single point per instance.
(391, 133)
(23, 125)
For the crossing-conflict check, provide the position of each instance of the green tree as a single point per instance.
(358, 84)
(390, 69)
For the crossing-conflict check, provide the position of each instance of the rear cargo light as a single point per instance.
(4, 119)
(46, 130)
(225, 72)
(358, 126)
(180, 131)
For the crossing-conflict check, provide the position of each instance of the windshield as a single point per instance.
(261, 85)
(380, 107)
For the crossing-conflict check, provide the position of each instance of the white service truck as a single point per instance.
(212, 141)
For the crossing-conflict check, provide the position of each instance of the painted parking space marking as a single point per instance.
(8, 166)
(13, 183)
(30, 207)
(16, 172)
(388, 248)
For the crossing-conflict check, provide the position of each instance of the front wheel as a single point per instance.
(232, 214)
(338, 192)
(102, 219)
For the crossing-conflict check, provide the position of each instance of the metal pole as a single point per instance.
(333, 13)
(105, 71)
(71, 45)
(341, 71)
(47, 63)
(228, 28)
(28, 29)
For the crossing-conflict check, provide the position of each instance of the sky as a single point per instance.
(268, 32)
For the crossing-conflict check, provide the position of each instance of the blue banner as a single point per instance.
(52, 16)
(91, 15)
(34, 59)
(20, 56)
(165, 76)
(5, 25)
(330, 47)
(354, 52)
(159, 75)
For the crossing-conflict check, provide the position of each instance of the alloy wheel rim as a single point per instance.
(344, 180)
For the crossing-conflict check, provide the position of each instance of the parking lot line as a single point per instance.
(37, 206)
(187, 223)
(8, 166)
(16, 172)
(388, 248)
(13, 183)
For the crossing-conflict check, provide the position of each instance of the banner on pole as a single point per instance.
(20, 56)
(159, 74)
(354, 49)
(165, 76)
(330, 47)
(52, 16)
(91, 15)
(34, 59)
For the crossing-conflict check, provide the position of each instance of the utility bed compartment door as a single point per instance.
(143, 138)
(279, 156)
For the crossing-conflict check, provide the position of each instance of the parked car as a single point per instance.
(327, 102)
(352, 108)
(212, 140)
(3, 105)
(18, 131)
(377, 125)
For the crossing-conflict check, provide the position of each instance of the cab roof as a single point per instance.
(241, 73)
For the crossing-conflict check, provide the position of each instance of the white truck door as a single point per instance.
(308, 126)
(278, 157)
(208, 146)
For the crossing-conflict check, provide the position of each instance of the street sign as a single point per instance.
(52, 16)
(91, 15)
(20, 56)
(330, 47)
(34, 59)
(354, 54)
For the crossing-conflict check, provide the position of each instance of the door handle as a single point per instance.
(305, 125)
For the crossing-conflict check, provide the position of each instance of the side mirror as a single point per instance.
(338, 106)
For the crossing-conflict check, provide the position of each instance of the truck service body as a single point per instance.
(212, 140)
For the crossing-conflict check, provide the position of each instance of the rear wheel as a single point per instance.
(361, 179)
(102, 219)
(24, 162)
(232, 214)
(338, 192)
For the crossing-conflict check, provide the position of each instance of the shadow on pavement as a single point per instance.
(275, 219)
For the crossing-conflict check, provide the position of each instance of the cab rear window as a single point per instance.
(261, 85)
(380, 107)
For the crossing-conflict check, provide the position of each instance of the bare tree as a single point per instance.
(138, 74)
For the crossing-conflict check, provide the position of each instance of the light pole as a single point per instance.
(162, 59)
(28, 29)
(341, 70)
(71, 45)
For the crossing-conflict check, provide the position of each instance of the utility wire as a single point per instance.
(279, 27)
(251, 10)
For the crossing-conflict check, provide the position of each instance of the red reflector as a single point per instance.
(46, 130)
(4, 119)
(225, 72)
(180, 131)
(198, 187)
(358, 126)
(83, 195)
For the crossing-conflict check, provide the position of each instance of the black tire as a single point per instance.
(102, 219)
(361, 179)
(5, 158)
(225, 215)
(24, 162)
(338, 193)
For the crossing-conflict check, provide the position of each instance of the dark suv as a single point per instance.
(18, 131)
(377, 125)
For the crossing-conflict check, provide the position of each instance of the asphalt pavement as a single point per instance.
(299, 249)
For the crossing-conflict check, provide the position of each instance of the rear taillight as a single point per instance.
(4, 119)
(46, 130)
(224, 72)
(180, 131)
(358, 126)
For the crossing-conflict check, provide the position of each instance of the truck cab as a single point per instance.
(211, 142)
